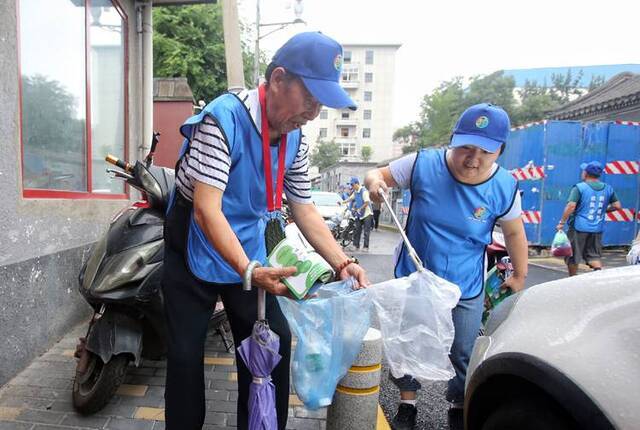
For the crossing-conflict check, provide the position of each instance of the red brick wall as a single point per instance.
(167, 119)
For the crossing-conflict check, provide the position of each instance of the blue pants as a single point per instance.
(467, 316)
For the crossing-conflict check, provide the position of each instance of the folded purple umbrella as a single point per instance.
(260, 354)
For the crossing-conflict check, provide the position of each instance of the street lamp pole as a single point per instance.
(256, 55)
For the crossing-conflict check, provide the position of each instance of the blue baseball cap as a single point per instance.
(317, 60)
(483, 125)
(354, 180)
(593, 168)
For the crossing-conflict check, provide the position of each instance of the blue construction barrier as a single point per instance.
(546, 157)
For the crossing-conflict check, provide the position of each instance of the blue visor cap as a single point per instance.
(317, 60)
(483, 125)
(594, 168)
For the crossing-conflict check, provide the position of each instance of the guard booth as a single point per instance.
(545, 157)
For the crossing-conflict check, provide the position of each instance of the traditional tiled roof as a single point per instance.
(618, 93)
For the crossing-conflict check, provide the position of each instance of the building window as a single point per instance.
(344, 131)
(73, 97)
(324, 114)
(346, 57)
(368, 57)
(368, 77)
(348, 149)
(368, 95)
(345, 115)
(349, 73)
(366, 133)
(366, 114)
(323, 133)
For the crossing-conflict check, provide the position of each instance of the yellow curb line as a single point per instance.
(381, 422)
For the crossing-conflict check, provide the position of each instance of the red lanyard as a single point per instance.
(266, 156)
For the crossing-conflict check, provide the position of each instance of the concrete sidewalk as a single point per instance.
(614, 257)
(39, 397)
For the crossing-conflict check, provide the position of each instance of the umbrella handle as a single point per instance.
(246, 286)
(412, 252)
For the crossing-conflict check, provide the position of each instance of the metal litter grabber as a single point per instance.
(412, 252)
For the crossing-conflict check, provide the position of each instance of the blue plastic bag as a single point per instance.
(330, 330)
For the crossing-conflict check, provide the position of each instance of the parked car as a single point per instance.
(328, 203)
(560, 355)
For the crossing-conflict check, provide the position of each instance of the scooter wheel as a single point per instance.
(94, 388)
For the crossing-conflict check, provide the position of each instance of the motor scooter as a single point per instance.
(121, 281)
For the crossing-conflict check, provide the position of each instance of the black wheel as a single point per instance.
(93, 389)
(530, 412)
(346, 240)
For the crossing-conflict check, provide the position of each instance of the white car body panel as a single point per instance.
(588, 328)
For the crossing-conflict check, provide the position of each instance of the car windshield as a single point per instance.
(325, 199)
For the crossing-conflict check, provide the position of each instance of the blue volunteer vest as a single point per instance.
(591, 209)
(358, 201)
(244, 200)
(450, 223)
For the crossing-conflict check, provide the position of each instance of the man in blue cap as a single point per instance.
(360, 204)
(585, 211)
(457, 196)
(240, 153)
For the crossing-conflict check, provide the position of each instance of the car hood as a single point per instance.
(586, 326)
(328, 211)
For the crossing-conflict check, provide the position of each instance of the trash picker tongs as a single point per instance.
(412, 252)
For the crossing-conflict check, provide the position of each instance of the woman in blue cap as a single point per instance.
(240, 153)
(585, 211)
(457, 196)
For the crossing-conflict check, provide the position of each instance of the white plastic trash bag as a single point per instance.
(633, 257)
(416, 324)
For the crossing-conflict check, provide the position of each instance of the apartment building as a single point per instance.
(368, 75)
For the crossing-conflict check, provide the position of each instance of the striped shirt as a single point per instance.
(209, 161)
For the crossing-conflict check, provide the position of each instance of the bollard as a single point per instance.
(355, 402)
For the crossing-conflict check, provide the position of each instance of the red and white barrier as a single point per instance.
(528, 173)
(531, 217)
(627, 122)
(620, 215)
(622, 168)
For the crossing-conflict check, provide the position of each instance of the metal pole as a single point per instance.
(256, 52)
(147, 77)
(412, 252)
(232, 46)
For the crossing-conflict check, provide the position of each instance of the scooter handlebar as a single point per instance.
(112, 159)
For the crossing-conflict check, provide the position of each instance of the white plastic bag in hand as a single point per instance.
(416, 324)
(633, 257)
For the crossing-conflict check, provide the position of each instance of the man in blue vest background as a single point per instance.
(360, 204)
(240, 153)
(457, 196)
(588, 202)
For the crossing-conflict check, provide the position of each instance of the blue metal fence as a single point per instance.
(546, 159)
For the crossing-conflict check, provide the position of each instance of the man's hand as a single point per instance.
(358, 273)
(560, 226)
(270, 279)
(514, 283)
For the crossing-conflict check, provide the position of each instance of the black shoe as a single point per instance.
(405, 418)
(456, 421)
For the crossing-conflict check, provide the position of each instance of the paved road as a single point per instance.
(432, 405)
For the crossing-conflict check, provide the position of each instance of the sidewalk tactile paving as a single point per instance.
(9, 413)
(150, 414)
(132, 390)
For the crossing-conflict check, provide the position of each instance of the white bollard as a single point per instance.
(355, 402)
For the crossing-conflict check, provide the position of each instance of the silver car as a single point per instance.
(328, 203)
(560, 355)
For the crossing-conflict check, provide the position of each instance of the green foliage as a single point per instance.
(188, 42)
(365, 152)
(442, 107)
(325, 154)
